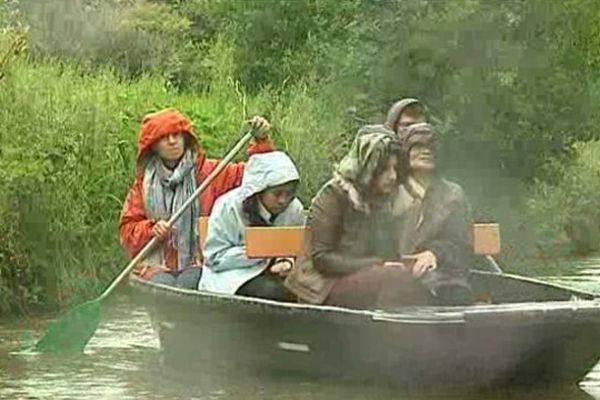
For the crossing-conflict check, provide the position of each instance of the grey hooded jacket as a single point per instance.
(391, 120)
(226, 267)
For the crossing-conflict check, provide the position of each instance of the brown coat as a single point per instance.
(347, 235)
(445, 231)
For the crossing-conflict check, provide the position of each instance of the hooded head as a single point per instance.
(367, 159)
(267, 171)
(418, 147)
(161, 124)
(404, 113)
(368, 129)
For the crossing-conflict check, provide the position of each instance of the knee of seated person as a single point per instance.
(164, 278)
(274, 290)
(189, 278)
(454, 295)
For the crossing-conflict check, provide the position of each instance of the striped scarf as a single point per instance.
(165, 191)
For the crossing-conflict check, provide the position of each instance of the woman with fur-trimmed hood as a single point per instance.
(387, 231)
(354, 259)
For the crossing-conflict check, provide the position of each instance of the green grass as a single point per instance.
(67, 160)
(69, 125)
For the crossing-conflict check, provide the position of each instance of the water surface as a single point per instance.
(123, 361)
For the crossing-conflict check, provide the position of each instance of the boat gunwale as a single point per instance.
(538, 282)
(409, 315)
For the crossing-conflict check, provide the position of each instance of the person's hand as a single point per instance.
(147, 271)
(261, 126)
(161, 229)
(282, 267)
(425, 261)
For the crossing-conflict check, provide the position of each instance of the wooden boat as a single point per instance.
(530, 332)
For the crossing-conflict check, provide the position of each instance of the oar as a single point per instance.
(71, 333)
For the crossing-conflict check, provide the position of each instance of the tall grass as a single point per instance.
(70, 114)
(565, 214)
(66, 157)
(67, 160)
(68, 153)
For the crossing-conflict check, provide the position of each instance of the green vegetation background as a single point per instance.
(512, 85)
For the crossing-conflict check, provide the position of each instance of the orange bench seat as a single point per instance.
(289, 241)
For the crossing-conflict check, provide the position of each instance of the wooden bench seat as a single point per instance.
(289, 241)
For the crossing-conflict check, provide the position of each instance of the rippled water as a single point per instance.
(123, 361)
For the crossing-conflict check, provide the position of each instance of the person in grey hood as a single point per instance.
(404, 113)
(401, 115)
(435, 220)
(265, 198)
(354, 259)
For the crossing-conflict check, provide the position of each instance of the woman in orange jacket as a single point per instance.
(170, 165)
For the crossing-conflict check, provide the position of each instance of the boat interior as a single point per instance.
(490, 284)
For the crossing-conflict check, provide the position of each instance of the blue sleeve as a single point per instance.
(225, 248)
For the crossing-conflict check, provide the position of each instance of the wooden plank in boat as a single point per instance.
(486, 239)
(202, 229)
(287, 241)
(263, 242)
(283, 241)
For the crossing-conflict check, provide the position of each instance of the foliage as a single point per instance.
(133, 37)
(68, 159)
(513, 86)
(65, 156)
(569, 211)
(502, 79)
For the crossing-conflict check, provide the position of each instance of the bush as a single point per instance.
(65, 158)
(506, 82)
(68, 157)
(568, 212)
(133, 37)
(511, 77)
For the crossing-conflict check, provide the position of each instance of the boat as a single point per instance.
(521, 331)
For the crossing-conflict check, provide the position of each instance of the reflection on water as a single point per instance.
(583, 275)
(123, 361)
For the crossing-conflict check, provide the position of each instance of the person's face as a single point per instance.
(409, 116)
(171, 147)
(421, 159)
(277, 198)
(384, 182)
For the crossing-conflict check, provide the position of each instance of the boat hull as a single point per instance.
(414, 348)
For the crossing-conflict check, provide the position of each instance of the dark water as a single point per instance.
(123, 361)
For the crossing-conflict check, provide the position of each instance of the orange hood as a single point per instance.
(163, 123)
